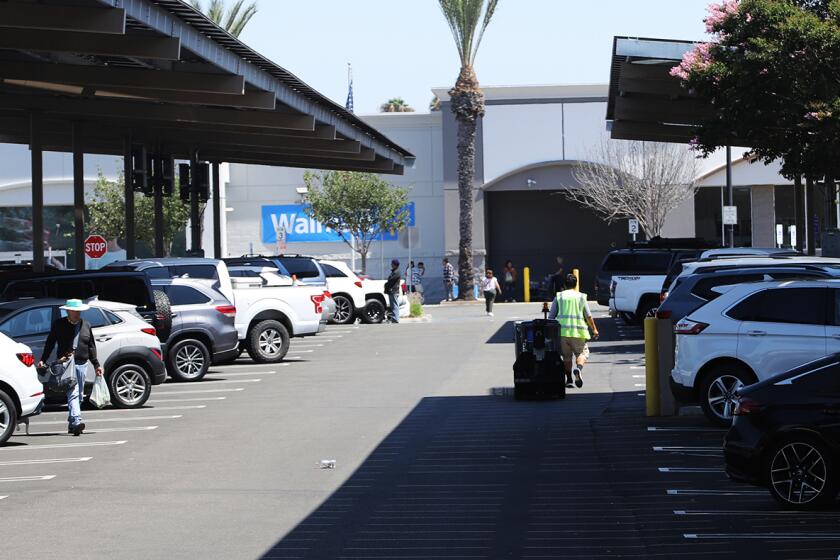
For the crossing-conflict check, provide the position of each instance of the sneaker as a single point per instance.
(490, 314)
(78, 429)
(578, 380)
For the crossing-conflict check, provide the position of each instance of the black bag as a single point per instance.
(62, 375)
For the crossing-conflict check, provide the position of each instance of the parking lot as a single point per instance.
(434, 459)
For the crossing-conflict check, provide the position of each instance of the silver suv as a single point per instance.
(203, 331)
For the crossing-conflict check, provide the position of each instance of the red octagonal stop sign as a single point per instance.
(95, 246)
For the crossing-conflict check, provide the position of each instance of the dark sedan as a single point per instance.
(786, 435)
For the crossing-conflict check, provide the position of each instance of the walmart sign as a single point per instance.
(300, 228)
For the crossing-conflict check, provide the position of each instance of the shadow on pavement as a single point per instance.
(504, 334)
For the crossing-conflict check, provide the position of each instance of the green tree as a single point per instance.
(107, 214)
(396, 105)
(358, 206)
(236, 18)
(434, 104)
(769, 74)
(467, 19)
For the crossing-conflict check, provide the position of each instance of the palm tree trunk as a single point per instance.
(466, 172)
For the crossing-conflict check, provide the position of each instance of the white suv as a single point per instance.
(21, 394)
(749, 333)
(356, 297)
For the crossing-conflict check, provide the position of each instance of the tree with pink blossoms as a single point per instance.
(770, 72)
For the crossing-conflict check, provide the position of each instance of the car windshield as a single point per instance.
(301, 267)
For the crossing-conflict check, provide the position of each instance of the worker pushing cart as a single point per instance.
(571, 310)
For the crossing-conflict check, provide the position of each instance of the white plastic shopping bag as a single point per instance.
(99, 396)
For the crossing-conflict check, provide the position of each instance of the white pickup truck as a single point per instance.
(633, 297)
(268, 315)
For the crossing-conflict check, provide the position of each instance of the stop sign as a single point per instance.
(95, 246)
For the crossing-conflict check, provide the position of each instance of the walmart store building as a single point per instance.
(527, 146)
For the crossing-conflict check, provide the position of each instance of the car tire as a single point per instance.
(345, 312)
(163, 315)
(717, 392)
(188, 360)
(8, 417)
(268, 342)
(801, 473)
(130, 386)
(374, 312)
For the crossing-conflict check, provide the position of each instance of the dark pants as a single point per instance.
(510, 291)
(489, 298)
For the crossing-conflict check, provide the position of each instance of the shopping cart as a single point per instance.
(538, 369)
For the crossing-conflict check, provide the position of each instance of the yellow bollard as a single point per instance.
(651, 368)
(526, 279)
(576, 274)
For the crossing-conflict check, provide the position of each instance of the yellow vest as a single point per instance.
(570, 315)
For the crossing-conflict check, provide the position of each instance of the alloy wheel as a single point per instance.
(723, 394)
(270, 342)
(798, 473)
(189, 360)
(130, 385)
(342, 310)
(5, 417)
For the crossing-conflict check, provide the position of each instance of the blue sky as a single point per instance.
(404, 48)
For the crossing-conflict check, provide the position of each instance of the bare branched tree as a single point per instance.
(643, 180)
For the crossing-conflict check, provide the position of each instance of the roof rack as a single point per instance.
(673, 243)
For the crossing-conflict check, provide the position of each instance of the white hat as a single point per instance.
(75, 305)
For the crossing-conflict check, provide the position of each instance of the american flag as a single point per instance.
(349, 104)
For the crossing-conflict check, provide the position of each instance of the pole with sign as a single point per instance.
(633, 227)
(95, 246)
(730, 218)
(281, 239)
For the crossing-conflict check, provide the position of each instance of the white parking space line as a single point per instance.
(209, 381)
(300, 345)
(212, 374)
(196, 399)
(690, 470)
(62, 445)
(126, 411)
(764, 536)
(773, 513)
(293, 358)
(296, 351)
(126, 419)
(229, 366)
(27, 478)
(197, 391)
(44, 461)
(716, 492)
(639, 385)
(676, 448)
(100, 431)
(329, 336)
(686, 429)
(638, 376)
(637, 367)
(3, 497)
(640, 394)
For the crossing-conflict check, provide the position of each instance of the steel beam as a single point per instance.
(217, 212)
(78, 199)
(82, 42)
(130, 242)
(378, 166)
(37, 192)
(248, 100)
(62, 18)
(662, 110)
(98, 76)
(195, 216)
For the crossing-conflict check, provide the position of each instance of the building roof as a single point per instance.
(162, 72)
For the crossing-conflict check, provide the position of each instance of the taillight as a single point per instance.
(157, 353)
(26, 358)
(150, 330)
(746, 406)
(358, 283)
(687, 326)
(227, 310)
(663, 314)
(327, 294)
(318, 300)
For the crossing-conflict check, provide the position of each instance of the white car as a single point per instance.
(752, 332)
(21, 394)
(355, 297)
(127, 347)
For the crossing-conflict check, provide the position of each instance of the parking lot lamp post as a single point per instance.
(730, 193)
(78, 199)
(130, 245)
(37, 192)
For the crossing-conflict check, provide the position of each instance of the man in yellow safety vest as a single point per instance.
(571, 310)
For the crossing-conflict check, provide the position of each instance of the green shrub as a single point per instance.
(415, 306)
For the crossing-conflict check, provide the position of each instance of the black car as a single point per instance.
(306, 269)
(786, 435)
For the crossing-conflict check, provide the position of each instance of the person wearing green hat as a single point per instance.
(73, 337)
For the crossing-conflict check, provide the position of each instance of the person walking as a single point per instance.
(417, 278)
(392, 288)
(448, 279)
(509, 277)
(490, 287)
(74, 340)
(558, 279)
(571, 310)
(409, 276)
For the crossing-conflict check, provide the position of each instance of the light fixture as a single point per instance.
(531, 183)
(302, 190)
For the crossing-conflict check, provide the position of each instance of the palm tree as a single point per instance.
(467, 19)
(396, 105)
(236, 19)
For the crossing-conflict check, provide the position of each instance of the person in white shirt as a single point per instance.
(490, 287)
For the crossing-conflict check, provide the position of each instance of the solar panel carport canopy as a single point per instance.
(98, 76)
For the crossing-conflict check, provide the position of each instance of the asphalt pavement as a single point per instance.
(433, 459)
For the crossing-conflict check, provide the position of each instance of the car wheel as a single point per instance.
(163, 316)
(188, 360)
(130, 386)
(800, 473)
(374, 312)
(718, 392)
(8, 417)
(268, 342)
(344, 311)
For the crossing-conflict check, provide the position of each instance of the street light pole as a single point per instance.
(729, 190)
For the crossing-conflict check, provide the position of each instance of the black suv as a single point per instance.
(306, 269)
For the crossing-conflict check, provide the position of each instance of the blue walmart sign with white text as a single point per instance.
(300, 228)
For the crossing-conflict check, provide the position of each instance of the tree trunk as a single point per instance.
(468, 106)
(363, 254)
